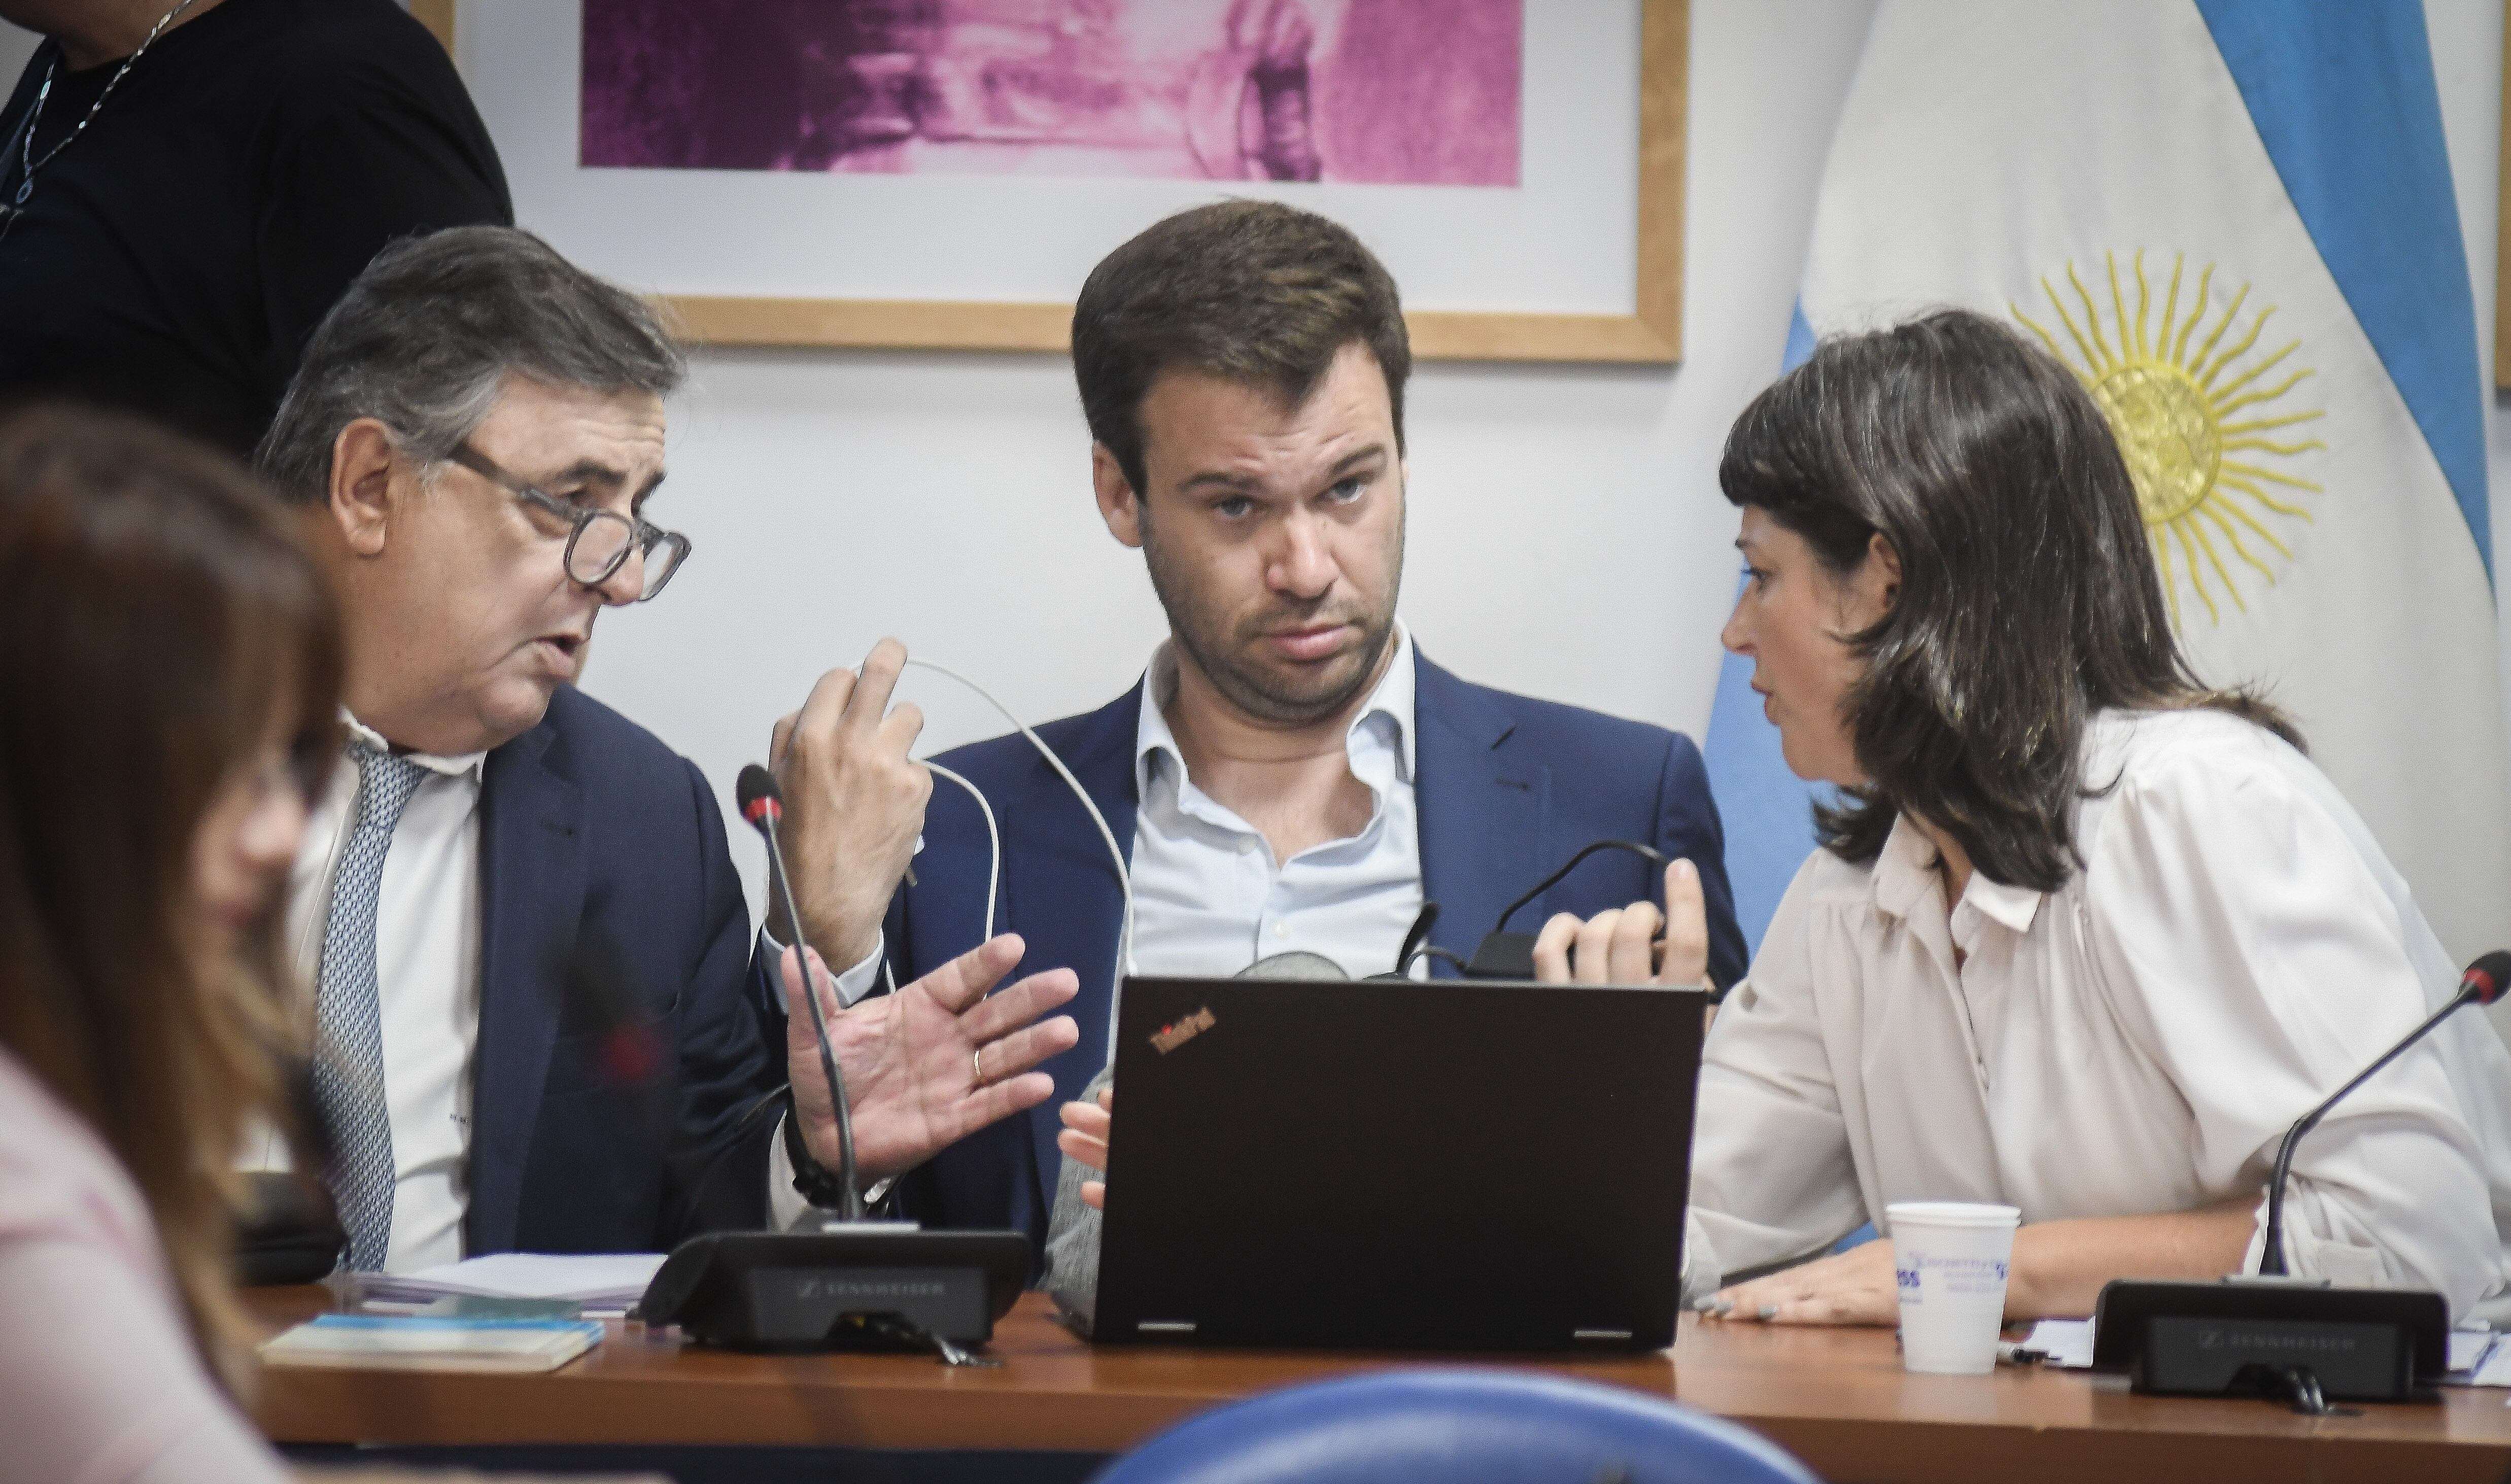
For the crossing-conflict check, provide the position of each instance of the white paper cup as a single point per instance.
(1950, 1257)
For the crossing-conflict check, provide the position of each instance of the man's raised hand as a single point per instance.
(854, 804)
(932, 1063)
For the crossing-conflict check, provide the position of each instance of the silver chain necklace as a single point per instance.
(34, 116)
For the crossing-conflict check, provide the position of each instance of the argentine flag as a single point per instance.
(2233, 220)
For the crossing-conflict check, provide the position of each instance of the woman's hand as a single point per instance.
(1619, 946)
(1852, 1287)
(2057, 1269)
(1085, 1139)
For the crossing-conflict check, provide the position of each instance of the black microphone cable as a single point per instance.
(1652, 855)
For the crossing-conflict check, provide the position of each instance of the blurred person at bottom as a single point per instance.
(169, 671)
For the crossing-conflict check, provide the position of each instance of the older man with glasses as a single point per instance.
(543, 1022)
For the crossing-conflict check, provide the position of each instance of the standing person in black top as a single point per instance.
(186, 188)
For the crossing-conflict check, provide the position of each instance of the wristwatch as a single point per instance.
(814, 1182)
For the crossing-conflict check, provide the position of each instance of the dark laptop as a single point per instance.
(1451, 1165)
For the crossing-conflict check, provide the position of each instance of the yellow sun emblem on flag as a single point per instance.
(2199, 474)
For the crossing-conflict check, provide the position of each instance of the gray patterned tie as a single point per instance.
(349, 1062)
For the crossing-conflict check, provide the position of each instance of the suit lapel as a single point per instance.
(532, 895)
(1482, 816)
(1075, 906)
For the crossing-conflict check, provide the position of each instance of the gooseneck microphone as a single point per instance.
(2481, 985)
(763, 805)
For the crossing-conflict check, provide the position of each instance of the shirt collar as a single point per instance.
(1906, 872)
(1392, 700)
(462, 766)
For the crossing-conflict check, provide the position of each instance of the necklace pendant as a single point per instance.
(25, 191)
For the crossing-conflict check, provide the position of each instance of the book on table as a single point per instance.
(429, 1343)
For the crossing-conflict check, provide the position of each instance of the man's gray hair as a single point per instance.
(426, 335)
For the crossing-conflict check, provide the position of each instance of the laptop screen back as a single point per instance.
(1448, 1164)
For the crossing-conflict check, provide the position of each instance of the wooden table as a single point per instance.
(1837, 1399)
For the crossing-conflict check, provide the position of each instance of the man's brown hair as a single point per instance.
(1250, 292)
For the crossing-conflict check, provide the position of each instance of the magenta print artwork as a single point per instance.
(1375, 92)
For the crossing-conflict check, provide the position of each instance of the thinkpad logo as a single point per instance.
(1177, 1033)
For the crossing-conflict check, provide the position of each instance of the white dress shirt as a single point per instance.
(2234, 948)
(1209, 897)
(427, 973)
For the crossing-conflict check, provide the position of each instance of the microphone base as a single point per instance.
(872, 1285)
(2298, 1340)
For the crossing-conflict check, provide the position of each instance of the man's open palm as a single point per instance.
(932, 1063)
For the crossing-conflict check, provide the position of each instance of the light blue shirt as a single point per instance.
(1209, 898)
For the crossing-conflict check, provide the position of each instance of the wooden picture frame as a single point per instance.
(1650, 334)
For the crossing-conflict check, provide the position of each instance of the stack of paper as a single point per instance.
(2067, 1344)
(600, 1281)
(414, 1344)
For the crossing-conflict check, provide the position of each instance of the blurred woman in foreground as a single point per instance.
(170, 668)
(2085, 935)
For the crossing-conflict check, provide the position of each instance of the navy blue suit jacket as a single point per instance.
(1507, 789)
(593, 832)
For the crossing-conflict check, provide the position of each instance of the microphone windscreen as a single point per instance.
(755, 786)
(2489, 976)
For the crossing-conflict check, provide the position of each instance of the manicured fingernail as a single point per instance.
(1725, 1306)
(1769, 1310)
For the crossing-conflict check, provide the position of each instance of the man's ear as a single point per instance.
(362, 492)
(1118, 503)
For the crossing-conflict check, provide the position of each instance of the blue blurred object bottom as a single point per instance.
(1458, 1426)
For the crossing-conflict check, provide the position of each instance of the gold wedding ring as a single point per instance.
(976, 1059)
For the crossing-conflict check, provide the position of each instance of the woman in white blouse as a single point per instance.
(2084, 936)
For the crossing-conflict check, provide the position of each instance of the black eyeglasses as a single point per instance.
(597, 541)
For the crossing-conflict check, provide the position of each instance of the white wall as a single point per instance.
(1568, 539)
(2467, 63)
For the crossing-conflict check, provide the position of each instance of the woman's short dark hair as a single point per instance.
(2028, 598)
(1250, 292)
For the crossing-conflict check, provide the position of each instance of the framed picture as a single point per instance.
(943, 174)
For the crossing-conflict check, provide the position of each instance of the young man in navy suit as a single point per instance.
(1293, 773)
(539, 997)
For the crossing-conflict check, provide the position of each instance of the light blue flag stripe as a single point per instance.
(2342, 95)
(1767, 810)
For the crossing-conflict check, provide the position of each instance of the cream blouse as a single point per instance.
(2233, 949)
